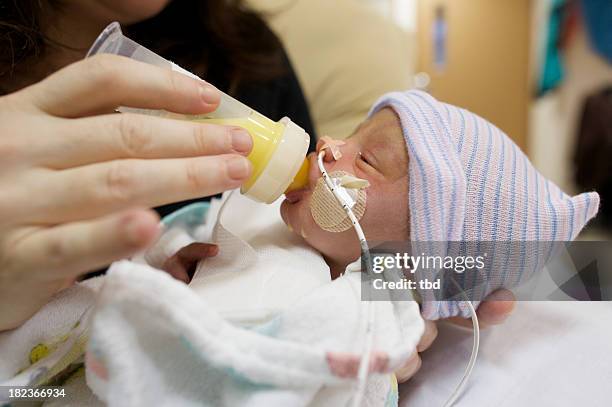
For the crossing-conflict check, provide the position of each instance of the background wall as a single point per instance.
(349, 52)
(401, 12)
(486, 69)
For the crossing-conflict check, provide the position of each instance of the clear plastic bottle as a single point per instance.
(279, 148)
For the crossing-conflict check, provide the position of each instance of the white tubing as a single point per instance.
(470, 366)
(364, 363)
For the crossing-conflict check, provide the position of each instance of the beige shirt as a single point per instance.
(345, 55)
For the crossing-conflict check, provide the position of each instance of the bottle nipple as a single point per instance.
(301, 178)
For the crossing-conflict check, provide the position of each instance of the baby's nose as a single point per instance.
(313, 173)
(329, 157)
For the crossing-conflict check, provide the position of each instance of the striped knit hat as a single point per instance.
(470, 182)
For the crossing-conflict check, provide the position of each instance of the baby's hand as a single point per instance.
(347, 364)
(183, 264)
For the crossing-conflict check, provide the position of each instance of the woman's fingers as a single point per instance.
(75, 248)
(102, 83)
(494, 310)
(108, 187)
(430, 334)
(409, 369)
(117, 136)
(414, 363)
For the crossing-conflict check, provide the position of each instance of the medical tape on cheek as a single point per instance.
(327, 212)
(333, 146)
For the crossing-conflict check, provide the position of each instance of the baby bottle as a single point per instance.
(279, 148)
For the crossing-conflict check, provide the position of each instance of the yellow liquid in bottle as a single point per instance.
(301, 178)
(266, 135)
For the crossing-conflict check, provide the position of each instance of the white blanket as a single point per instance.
(256, 328)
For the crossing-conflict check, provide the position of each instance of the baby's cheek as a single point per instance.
(387, 216)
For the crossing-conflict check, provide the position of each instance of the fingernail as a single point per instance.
(209, 95)
(241, 140)
(238, 168)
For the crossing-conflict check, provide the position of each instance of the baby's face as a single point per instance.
(375, 152)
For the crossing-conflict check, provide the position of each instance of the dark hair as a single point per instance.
(219, 40)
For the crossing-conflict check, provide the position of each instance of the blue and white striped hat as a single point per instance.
(470, 182)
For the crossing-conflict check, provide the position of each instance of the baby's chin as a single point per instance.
(289, 214)
(283, 212)
(293, 214)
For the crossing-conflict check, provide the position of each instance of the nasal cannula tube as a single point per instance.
(279, 148)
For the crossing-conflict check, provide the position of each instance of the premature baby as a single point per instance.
(276, 317)
(434, 173)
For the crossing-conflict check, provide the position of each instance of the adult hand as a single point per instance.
(494, 310)
(76, 179)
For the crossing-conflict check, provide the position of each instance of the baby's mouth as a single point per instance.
(313, 175)
(296, 196)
